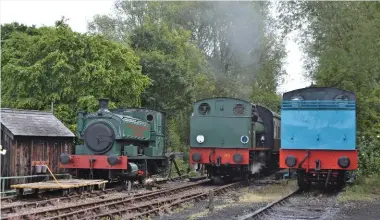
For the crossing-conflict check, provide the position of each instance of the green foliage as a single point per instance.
(369, 155)
(171, 62)
(268, 77)
(365, 188)
(194, 173)
(55, 64)
(183, 166)
(8, 29)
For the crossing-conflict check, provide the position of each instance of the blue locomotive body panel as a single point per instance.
(318, 125)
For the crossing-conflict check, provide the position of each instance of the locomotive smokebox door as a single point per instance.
(99, 137)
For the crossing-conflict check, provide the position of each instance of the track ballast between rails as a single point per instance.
(298, 205)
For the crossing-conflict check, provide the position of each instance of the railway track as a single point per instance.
(297, 205)
(52, 194)
(36, 203)
(137, 205)
(159, 206)
(84, 209)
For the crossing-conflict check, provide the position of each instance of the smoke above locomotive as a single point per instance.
(124, 143)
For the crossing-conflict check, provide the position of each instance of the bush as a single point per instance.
(183, 166)
(369, 156)
(365, 188)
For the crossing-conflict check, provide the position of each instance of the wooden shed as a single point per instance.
(32, 138)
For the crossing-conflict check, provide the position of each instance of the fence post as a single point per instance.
(129, 186)
(211, 201)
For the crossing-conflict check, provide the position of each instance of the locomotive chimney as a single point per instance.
(103, 104)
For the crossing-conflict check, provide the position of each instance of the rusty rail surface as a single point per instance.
(300, 206)
(73, 210)
(156, 207)
(10, 208)
(9, 199)
(269, 206)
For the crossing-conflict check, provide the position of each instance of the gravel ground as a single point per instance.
(360, 210)
(230, 205)
(246, 200)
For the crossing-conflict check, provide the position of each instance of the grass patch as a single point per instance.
(183, 206)
(198, 215)
(267, 193)
(365, 188)
(194, 173)
(206, 212)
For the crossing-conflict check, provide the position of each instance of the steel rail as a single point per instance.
(156, 206)
(9, 208)
(73, 210)
(269, 206)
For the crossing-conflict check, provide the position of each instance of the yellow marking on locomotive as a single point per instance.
(228, 156)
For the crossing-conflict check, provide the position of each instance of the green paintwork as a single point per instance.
(80, 149)
(157, 128)
(221, 127)
(128, 125)
(135, 129)
(130, 150)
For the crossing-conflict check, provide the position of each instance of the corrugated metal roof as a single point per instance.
(33, 123)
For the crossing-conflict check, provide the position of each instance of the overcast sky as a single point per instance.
(79, 12)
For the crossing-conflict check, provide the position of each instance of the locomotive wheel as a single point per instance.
(217, 180)
(341, 181)
(227, 179)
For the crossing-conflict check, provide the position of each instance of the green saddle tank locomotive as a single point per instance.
(121, 144)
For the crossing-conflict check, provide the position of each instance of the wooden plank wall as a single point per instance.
(24, 150)
(6, 142)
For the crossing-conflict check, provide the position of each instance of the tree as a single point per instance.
(171, 62)
(231, 35)
(55, 64)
